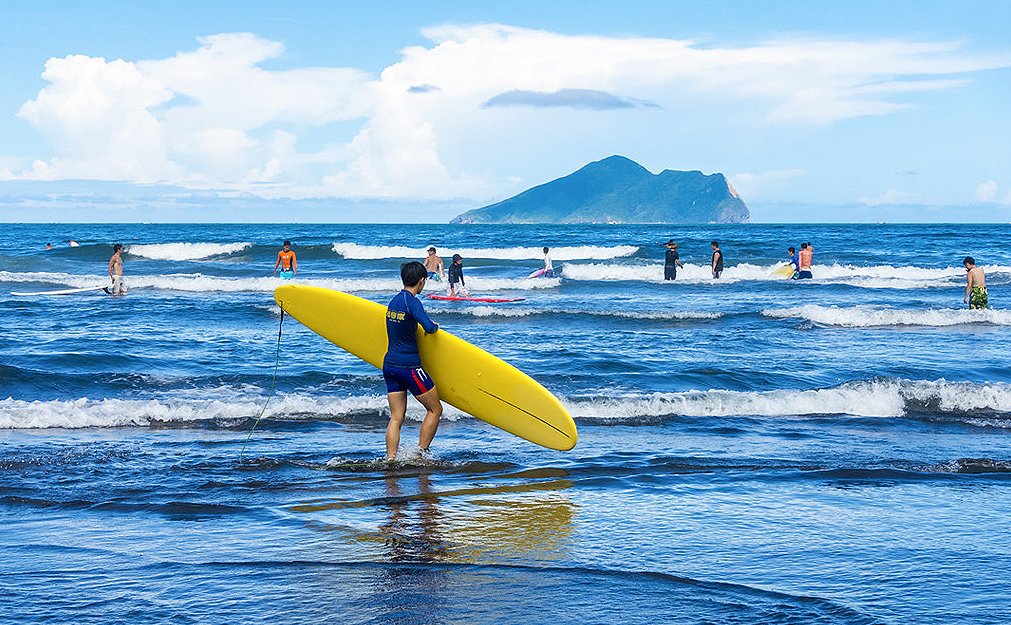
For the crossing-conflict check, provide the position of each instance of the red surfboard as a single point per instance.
(486, 300)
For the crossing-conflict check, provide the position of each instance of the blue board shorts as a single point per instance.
(400, 379)
(287, 275)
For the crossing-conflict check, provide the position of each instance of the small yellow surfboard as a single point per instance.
(467, 377)
(786, 271)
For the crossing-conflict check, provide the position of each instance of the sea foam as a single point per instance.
(984, 405)
(592, 252)
(184, 251)
(197, 282)
(867, 316)
(103, 413)
(875, 398)
(874, 277)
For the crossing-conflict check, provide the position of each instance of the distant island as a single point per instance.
(619, 190)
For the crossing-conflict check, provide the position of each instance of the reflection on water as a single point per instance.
(415, 521)
(413, 539)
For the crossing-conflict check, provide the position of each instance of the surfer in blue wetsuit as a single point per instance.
(402, 368)
(794, 260)
(457, 286)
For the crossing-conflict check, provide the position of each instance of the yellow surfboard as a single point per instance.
(467, 377)
(786, 271)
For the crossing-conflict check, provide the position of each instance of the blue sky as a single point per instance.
(816, 111)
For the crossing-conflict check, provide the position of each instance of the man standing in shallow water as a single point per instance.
(433, 263)
(402, 368)
(116, 272)
(975, 285)
(287, 260)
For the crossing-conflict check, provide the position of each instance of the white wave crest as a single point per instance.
(89, 413)
(877, 276)
(866, 316)
(514, 311)
(592, 252)
(879, 398)
(196, 282)
(184, 251)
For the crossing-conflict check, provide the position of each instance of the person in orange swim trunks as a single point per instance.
(287, 261)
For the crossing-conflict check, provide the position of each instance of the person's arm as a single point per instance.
(278, 262)
(714, 261)
(418, 312)
(294, 264)
(111, 262)
(968, 287)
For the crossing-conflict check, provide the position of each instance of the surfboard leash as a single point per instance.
(270, 393)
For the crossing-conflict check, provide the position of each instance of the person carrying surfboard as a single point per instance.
(402, 368)
(286, 259)
(457, 285)
(116, 272)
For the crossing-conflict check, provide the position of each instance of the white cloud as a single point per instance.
(987, 191)
(755, 186)
(214, 117)
(891, 196)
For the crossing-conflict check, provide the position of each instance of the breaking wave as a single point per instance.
(990, 402)
(185, 251)
(592, 252)
(878, 276)
(515, 311)
(106, 413)
(983, 405)
(866, 316)
(197, 282)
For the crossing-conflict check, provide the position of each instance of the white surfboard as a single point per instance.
(60, 292)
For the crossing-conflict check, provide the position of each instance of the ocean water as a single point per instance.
(752, 450)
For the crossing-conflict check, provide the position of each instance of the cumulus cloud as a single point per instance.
(755, 185)
(892, 196)
(215, 117)
(570, 98)
(989, 193)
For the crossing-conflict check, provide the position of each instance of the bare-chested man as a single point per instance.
(975, 285)
(433, 264)
(116, 272)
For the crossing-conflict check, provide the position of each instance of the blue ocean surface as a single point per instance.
(752, 449)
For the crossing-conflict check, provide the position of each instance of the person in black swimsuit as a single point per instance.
(717, 260)
(671, 261)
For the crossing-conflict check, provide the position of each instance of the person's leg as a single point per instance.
(433, 408)
(398, 409)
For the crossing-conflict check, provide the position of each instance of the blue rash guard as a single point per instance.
(795, 261)
(403, 315)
